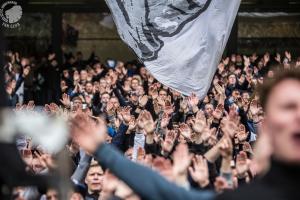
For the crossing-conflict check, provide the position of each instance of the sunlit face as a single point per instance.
(94, 179)
(134, 84)
(209, 109)
(282, 117)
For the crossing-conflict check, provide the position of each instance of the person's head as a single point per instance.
(235, 94)
(83, 75)
(102, 83)
(231, 79)
(143, 72)
(36, 165)
(76, 196)
(66, 73)
(134, 97)
(94, 178)
(163, 94)
(63, 85)
(105, 98)
(135, 83)
(270, 74)
(51, 194)
(246, 97)
(115, 102)
(208, 109)
(98, 68)
(280, 99)
(77, 103)
(79, 55)
(140, 90)
(89, 87)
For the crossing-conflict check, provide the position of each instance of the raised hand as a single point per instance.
(254, 109)
(185, 130)
(208, 135)
(246, 61)
(169, 109)
(131, 124)
(228, 127)
(46, 160)
(88, 133)
(225, 147)
(193, 100)
(66, 100)
(199, 123)
(153, 92)
(181, 159)
(169, 141)
(143, 101)
(199, 171)
(125, 113)
(247, 147)
(220, 89)
(278, 57)
(145, 122)
(184, 105)
(242, 134)
(53, 108)
(165, 120)
(110, 108)
(242, 165)
(221, 184)
(218, 112)
(288, 55)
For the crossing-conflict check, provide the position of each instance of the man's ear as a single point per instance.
(85, 181)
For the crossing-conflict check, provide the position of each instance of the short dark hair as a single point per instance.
(264, 90)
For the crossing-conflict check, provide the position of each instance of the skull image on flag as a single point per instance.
(158, 18)
(179, 41)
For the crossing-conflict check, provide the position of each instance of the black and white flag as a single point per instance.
(179, 41)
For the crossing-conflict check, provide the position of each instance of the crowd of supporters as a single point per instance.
(202, 144)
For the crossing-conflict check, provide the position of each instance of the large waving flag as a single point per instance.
(179, 41)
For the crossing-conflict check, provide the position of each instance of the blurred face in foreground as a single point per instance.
(94, 178)
(282, 117)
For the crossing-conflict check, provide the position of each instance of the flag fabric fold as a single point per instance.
(179, 41)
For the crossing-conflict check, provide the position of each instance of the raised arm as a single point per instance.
(144, 181)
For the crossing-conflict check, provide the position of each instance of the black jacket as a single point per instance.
(282, 182)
